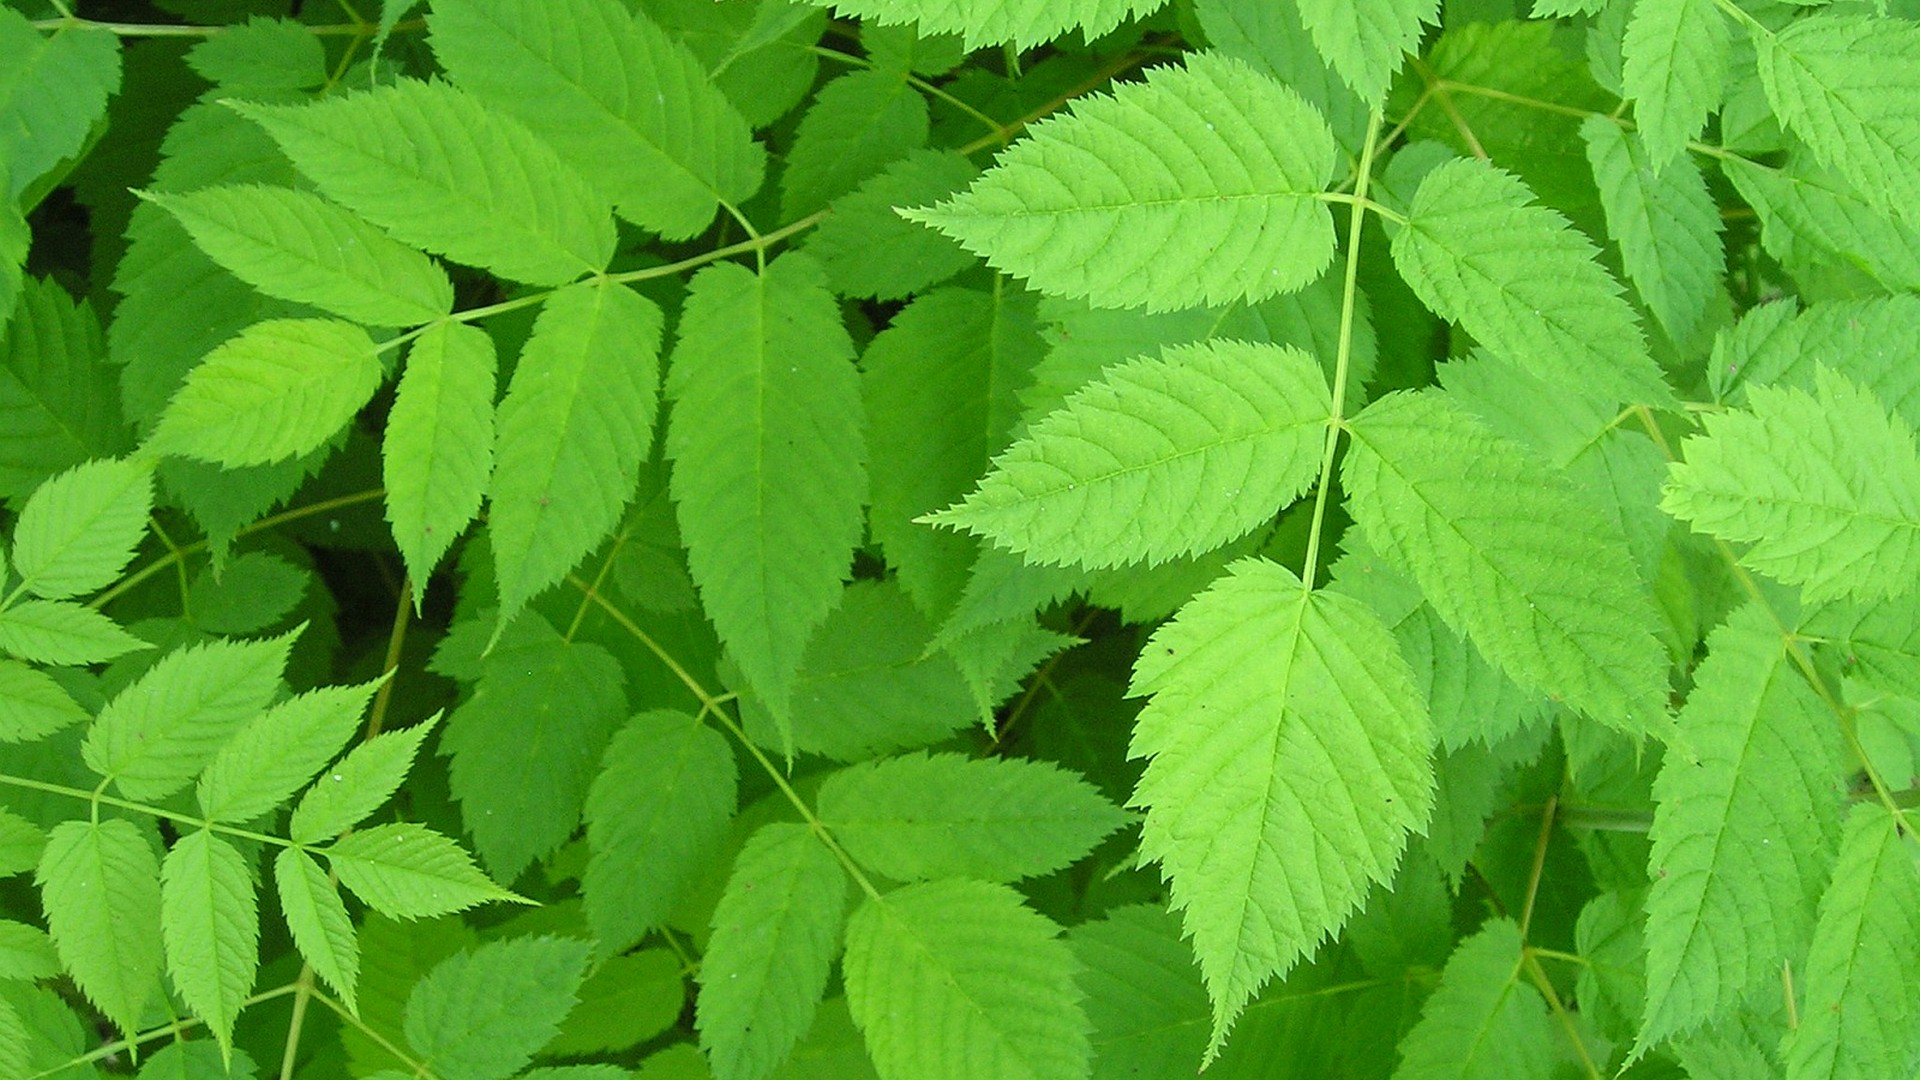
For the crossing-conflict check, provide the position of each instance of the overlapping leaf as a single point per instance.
(53, 89)
(32, 704)
(1482, 1022)
(438, 451)
(269, 759)
(869, 250)
(100, 884)
(1365, 40)
(857, 124)
(1797, 212)
(1674, 68)
(481, 1015)
(358, 784)
(1102, 204)
(1287, 760)
(1665, 222)
(318, 920)
(983, 22)
(210, 922)
(410, 872)
(58, 403)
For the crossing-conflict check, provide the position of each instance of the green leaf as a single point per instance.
(958, 980)
(1162, 458)
(280, 750)
(1482, 1022)
(358, 785)
(921, 816)
(575, 427)
(1824, 487)
(1879, 642)
(261, 54)
(297, 246)
(199, 1059)
(633, 110)
(1674, 68)
(869, 250)
(59, 402)
(629, 999)
(525, 745)
(657, 814)
(858, 123)
(983, 22)
(481, 1015)
(439, 169)
(159, 732)
(438, 451)
(21, 843)
(1287, 753)
(100, 887)
(1526, 284)
(774, 935)
(78, 531)
(410, 872)
(53, 90)
(1511, 555)
(1742, 837)
(1798, 213)
(26, 952)
(318, 920)
(768, 453)
(1365, 40)
(1144, 996)
(1101, 204)
(211, 924)
(277, 390)
(1665, 222)
(1861, 994)
(33, 705)
(58, 632)
(1849, 87)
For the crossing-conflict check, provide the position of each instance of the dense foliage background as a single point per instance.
(1023, 539)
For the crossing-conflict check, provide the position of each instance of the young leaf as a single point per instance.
(1511, 555)
(481, 1015)
(277, 390)
(100, 887)
(59, 400)
(1101, 204)
(920, 817)
(657, 812)
(774, 935)
(438, 450)
(1025, 23)
(1524, 283)
(58, 632)
(1161, 458)
(32, 704)
(1665, 222)
(159, 732)
(958, 980)
(297, 246)
(211, 924)
(358, 785)
(1849, 87)
(1743, 837)
(1673, 67)
(575, 428)
(1287, 759)
(410, 872)
(78, 530)
(629, 107)
(439, 169)
(279, 750)
(1482, 1022)
(1365, 40)
(1860, 991)
(53, 91)
(857, 124)
(1843, 520)
(318, 921)
(769, 470)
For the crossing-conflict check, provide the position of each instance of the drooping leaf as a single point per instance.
(1482, 1022)
(1824, 487)
(633, 110)
(318, 920)
(1665, 222)
(53, 89)
(919, 817)
(410, 872)
(32, 704)
(958, 980)
(1161, 458)
(59, 632)
(58, 402)
(481, 1015)
(768, 453)
(657, 812)
(575, 428)
(100, 885)
(278, 751)
(300, 247)
(1509, 554)
(439, 169)
(1674, 60)
(1365, 40)
(1524, 283)
(858, 123)
(983, 22)
(277, 390)
(1101, 204)
(1287, 758)
(774, 935)
(358, 784)
(210, 922)
(158, 733)
(1742, 838)
(438, 450)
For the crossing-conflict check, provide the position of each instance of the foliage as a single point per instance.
(973, 539)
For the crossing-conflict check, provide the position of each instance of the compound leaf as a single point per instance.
(210, 921)
(78, 530)
(1482, 1022)
(481, 1015)
(1674, 68)
(358, 785)
(60, 632)
(1102, 204)
(410, 872)
(279, 750)
(1365, 40)
(318, 920)
(1665, 222)
(100, 887)
(438, 450)
(983, 22)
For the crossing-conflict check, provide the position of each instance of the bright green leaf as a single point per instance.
(857, 124)
(261, 54)
(318, 921)
(1365, 40)
(26, 952)
(1665, 222)
(59, 632)
(410, 872)
(358, 784)
(982, 22)
(100, 886)
(438, 450)
(869, 250)
(1798, 212)
(32, 704)
(77, 531)
(481, 1015)
(1674, 67)
(210, 921)
(279, 750)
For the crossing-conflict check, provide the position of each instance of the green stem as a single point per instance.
(97, 798)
